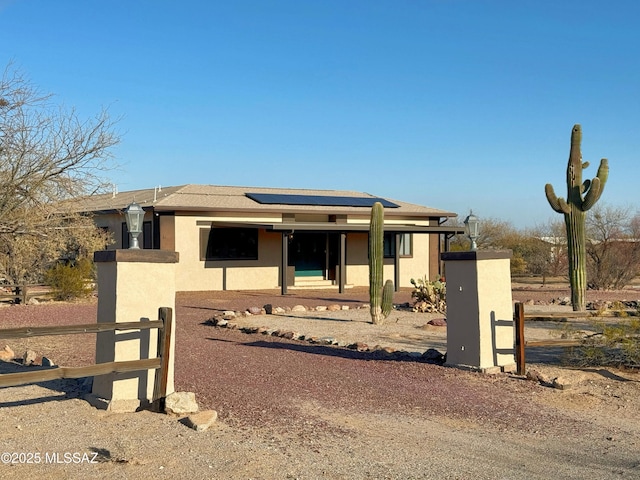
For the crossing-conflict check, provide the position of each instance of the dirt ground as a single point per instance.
(295, 409)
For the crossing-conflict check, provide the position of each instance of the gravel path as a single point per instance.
(290, 409)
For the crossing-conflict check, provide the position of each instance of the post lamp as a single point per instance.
(134, 215)
(471, 224)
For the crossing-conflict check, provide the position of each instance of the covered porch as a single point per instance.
(315, 254)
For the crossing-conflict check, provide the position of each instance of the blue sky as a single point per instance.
(451, 104)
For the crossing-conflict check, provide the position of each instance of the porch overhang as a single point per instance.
(289, 227)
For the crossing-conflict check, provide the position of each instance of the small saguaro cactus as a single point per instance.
(581, 196)
(380, 298)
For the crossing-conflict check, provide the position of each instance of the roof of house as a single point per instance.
(200, 198)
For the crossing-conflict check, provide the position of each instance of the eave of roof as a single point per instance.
(207, 198)
(337, 227)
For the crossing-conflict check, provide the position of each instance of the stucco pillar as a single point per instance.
(480, 328)
(132, 286)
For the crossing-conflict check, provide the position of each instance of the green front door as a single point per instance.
(308, 254)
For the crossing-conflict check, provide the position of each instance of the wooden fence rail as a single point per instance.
(160, 363)
(519, 318)
(22, 293)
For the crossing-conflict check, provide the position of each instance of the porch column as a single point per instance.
(396, 265)
(342, 271)
(284, 263)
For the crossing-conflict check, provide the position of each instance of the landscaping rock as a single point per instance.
(255, 310)
(268, 309)
(6, 354)
(181, 403)
(438, 322)
(359, 346)
(29, 358)
(540, 377)
(561, 383)
(333, 308)
(433, 355)
(201, 421)
(47, 362)
(228, 314)
(299, 308)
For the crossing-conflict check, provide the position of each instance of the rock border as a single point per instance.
(225, 320)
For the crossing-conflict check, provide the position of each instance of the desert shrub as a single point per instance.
(429, 296)
(614, 344)
(69, 281)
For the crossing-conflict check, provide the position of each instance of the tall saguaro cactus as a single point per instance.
(380, 298)
(581, 196)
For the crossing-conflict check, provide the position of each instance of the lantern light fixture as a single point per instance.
(471, 226)
(134, 216)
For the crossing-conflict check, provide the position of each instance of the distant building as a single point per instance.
(245, 238)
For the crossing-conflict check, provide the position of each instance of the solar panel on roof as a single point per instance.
(318, 200)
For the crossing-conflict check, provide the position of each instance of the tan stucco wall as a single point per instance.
(194, 274)
(415, 266)
(167, 232)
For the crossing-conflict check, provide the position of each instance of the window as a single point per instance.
(390, 245)
(228, 244)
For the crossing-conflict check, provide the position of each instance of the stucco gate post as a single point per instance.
(132, 285)
(480, 327)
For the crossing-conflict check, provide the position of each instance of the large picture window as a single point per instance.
(228, 244)
(390, 245)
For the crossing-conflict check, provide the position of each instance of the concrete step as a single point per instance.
(311, 283)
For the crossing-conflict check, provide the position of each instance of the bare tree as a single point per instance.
(550, 258)
(613, 247)
(47, 155)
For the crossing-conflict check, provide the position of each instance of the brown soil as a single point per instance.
(292, 409)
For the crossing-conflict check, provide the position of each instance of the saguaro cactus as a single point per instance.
(380, 299)
(580, 198)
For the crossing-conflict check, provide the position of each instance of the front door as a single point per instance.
(308, 254)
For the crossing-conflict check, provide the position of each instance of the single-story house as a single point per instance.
(246, 238)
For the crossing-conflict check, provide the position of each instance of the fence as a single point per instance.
(519, 318)
(22, 293)
(160, 363)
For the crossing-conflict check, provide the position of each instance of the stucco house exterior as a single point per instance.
(248, 238)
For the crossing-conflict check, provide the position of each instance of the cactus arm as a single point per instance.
(387, 298)
(603, 171)
(592, 195)
(564, 206)
(597, 186)
(557, 204)
(585, 165)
